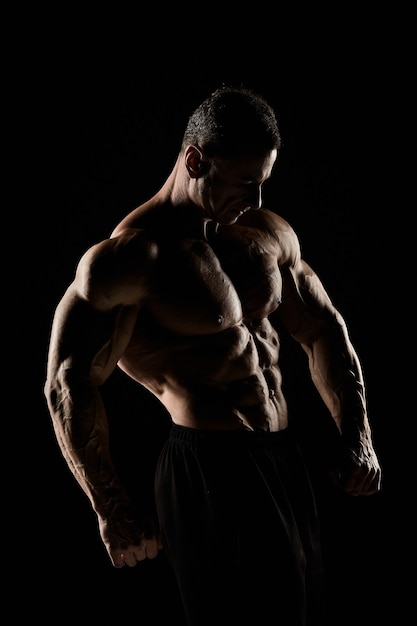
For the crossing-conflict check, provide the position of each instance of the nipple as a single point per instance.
(220, 320)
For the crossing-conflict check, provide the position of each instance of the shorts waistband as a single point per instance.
(216, 436)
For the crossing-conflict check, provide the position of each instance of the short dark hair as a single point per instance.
(233, 122)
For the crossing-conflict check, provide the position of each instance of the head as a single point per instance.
(233, 123)
(230, 145)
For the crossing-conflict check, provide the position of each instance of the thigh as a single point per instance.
(230, 535)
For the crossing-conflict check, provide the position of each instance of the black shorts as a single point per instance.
(240, 527)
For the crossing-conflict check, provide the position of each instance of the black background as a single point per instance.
(103, 123)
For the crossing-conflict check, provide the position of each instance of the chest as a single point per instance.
(253, 269)
(200, 289)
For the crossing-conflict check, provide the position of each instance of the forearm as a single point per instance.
(82, 434)
(337, 374)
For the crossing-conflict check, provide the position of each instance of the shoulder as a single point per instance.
(275, 230)
(114, 270)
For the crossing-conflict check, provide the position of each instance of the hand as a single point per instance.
(126, 544)
(359, 474)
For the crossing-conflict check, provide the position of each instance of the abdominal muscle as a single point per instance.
(185, 410)
(228, 380)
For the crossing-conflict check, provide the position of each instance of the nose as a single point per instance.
(255, 197)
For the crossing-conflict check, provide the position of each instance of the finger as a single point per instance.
(152, 547)
(117, 559)
(361, 482)
(129, 557)
(139, 552)
(335, 476)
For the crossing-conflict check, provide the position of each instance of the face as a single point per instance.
(231, 187)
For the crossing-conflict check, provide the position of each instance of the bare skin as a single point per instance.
(180, 298)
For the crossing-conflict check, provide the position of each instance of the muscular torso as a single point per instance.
(202, 341)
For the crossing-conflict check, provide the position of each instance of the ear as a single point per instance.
(195, 161)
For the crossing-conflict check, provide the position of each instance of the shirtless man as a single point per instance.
(185, 297)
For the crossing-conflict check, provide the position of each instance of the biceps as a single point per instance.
(107, 357)
(87, 341)
(306, 309)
